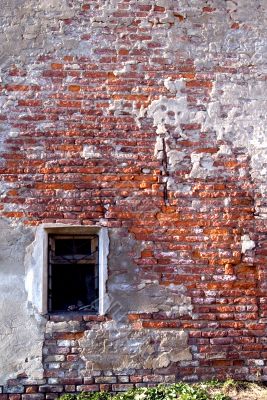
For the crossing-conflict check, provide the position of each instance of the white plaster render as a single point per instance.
(21, 328)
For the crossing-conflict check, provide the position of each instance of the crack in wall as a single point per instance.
(165, 172)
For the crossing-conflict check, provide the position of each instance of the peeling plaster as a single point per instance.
(170, 111)
(28, 26)
(244, 129)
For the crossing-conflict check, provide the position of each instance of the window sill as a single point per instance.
(76, 316)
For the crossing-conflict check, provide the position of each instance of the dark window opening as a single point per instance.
(73, 273)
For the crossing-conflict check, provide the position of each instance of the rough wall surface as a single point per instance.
(146, 117)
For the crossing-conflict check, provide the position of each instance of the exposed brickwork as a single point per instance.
(86, 147)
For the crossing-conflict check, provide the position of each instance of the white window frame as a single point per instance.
(36, 263)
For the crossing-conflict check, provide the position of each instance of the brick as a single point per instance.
(31, 389)
(13, 389)
(98, 318)
(69, 388)
(88, 380)
(105, 379)
(87, 388)
(21, 88)
(104, 387)
(14, 397)
(195, 83)
(53, 366)
(159, 9)
(123, 379)
(122, 387)
(136, 379)
(71, 381)
(56, 358)
(56, 66)
(152, 378)
(208, 9)
(161, 324)
(51, 388)
(67, 336)
(74, 88)
(64, 343)
(51, 396)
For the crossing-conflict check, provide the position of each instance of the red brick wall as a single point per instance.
(191, 228)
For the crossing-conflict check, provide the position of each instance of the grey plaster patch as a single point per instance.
(129, 292)
(21, 328)
(123, 272)
(152, 297)
(236, 107)
(121, 347)
(241, 93)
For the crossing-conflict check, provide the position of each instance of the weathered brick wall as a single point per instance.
(146, 117)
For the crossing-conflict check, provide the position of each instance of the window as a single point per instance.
(66, 269)
(73, 281)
